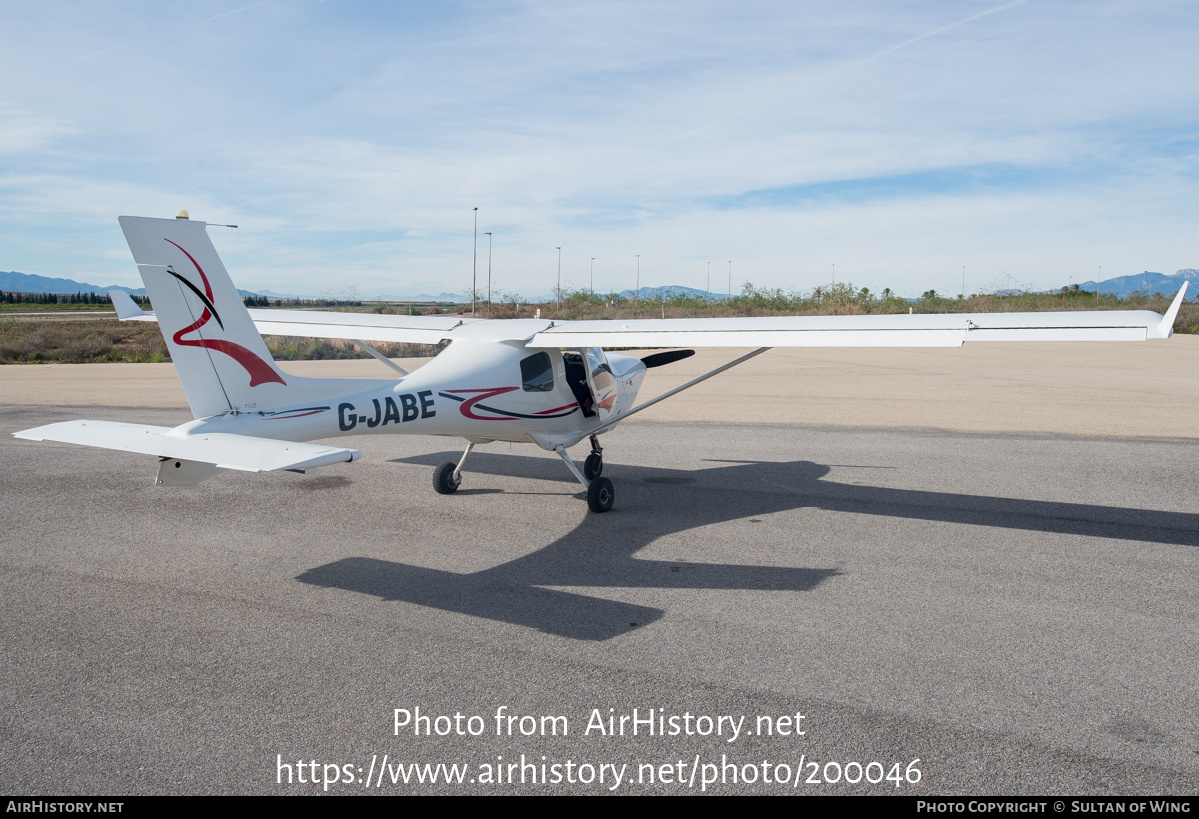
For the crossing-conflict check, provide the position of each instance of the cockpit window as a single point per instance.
(537, 373)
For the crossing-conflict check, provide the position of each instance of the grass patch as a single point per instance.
(20, 307)
(80, 342)
(292, 348)
(104, 340)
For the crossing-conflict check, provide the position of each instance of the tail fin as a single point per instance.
(219, 354)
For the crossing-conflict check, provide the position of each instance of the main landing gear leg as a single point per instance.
(594, 465)
(448, 476)
(600, 494)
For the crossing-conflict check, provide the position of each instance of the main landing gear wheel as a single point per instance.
(593, 466)
(600, 495)
(443, 479)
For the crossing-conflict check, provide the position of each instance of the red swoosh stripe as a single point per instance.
(465, 406)
(260, 372)
(558, 409)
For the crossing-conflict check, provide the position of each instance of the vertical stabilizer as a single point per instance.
(219, 354)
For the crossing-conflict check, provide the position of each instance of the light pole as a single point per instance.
(1098, 284)
(834, 272)
(708, 286)
(963, 282)
(474, 269)
(638, 277)
(730, 278)
(489, 272)
(593, 275)
(558, 300)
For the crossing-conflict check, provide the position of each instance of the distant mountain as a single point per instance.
(670, 291)
(454, 297)
(28, 283)
(13, 282)
(1120, 285)
(442, 297)
(1149, 282)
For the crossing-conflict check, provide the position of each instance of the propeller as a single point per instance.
(669, 357)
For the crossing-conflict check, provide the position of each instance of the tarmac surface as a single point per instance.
(985, 564)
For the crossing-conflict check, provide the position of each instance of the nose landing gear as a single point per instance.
(600, 493)
(594, 465)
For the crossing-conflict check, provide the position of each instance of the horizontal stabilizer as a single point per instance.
(221, 449)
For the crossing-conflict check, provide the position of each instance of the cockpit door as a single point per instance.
(601, 381)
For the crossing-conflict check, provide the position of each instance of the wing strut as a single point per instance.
(677, 390)
(375, 353)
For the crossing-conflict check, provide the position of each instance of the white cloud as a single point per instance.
(23, 134)
(355, 139)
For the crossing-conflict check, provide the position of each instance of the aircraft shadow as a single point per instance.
(804, 482)
(596, 555)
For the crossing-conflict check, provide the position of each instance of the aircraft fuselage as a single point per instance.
(481, 391)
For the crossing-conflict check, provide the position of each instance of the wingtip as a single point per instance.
(1166, 328)
(125, 306)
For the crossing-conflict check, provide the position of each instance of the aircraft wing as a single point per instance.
(923, 330)
(920, 330)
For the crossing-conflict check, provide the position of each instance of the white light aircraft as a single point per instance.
(538, 381)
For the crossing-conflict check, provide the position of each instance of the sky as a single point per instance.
(886, 144)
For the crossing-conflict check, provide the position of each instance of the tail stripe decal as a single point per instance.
(208, 305)
(260, 372)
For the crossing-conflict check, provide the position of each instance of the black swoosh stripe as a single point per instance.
(202, 297)
(301, 409)
(509, 413)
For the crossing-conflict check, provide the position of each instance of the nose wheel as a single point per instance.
(600, 495)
